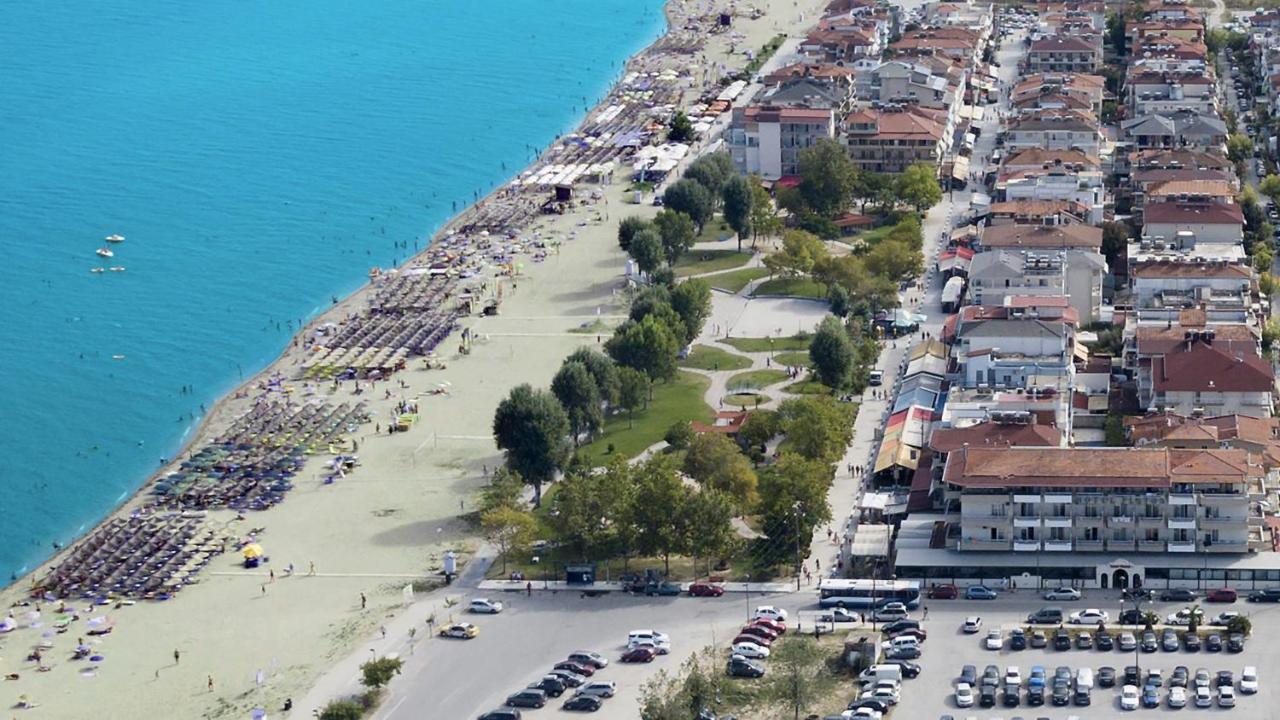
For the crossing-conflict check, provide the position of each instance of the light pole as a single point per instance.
(747, 586)
(798, 567)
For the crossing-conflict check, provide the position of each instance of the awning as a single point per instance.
(895, 453)
(871, 540)
(960, 168)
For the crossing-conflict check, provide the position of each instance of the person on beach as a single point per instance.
(311, 571)
(210, 684)
(177, 656)
(364, 602)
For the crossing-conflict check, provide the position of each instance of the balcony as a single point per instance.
(1178, 523)
(1182, 546)
(1123, 520)
(1026, 521)
(1219, 521)
(1121, 545)
(1150, 520)
(1060, 499)
(1057, 545)
(1026, 498)
(1089, 545)
(1089, 521)
(1025, 546)
(983, 544)
(1182, 499)
(1061, 521)
(1224, 546)
(1151, 546)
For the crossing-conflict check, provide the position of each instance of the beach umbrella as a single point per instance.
(253, 550)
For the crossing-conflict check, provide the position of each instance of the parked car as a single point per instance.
(1150, 697)
(551, 685)
(599, 688)
(1131, 675)
(665, 589)
(1017, 639)
(908, 652)
(569, 677)
(1177, 697)
(1126, 642)
(1046, 616)
(1183, 616)
(1226, 696)
(1084, 640)
(1106, 676)
(971, 624)
(1149, 644)
(639, 654)
(1204, 698)
(944, 591)
(909, 669)
(501, 714)
(1039, 639)
(987, 696)
(1191, 642)
(573, 667)
(528, 697)
(1223, 618)
(461, 631)
(1177, 595)
(1213, 643)
(1222, 595)
(839, 615)
(584, 703)
(485, 606)
(1089, 616)
(587, 657)
(917, 633)
(706, 589)
(1249, 680)
(1062, 593)
(1135, 593)
(743, 667)
(1268, 595)
(750, 650)
(1201, 678)
(1235, 643)
(1169, 640)
(889, 612)
(964, 695)
(969, 674)
(1180, 677)
(1225, 677)
(1062, 640)
(1104, 641)
(1061, 694)
(760, 631)
(764, 641)
(777, 627)
(979, 592)
(770, 612)
(1135, 617)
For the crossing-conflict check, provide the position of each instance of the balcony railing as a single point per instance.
(1025, 545)
(1057, 522)
(1151, 546)
(1089, 545)
(983, 544)
(1177, 523)
(1123, 519)
(1057, 545)
(1120, 545)
(1219, 521)
(1185, 546)
(1223, 546)
(1024, 521)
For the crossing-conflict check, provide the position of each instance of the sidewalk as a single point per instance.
(519, 586)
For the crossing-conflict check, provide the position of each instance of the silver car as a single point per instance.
(598, 688)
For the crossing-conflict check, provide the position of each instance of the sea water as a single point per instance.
(260, 156)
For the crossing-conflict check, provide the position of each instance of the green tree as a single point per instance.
(628, 228)
(1240, 624)
(377, 673)
(646, 249)
(1267, 284)
(1263, 255)
(649, 346)
(575, 388)
(716, 463)
(533, 430)
(588, 508)
(1270, 186)
(1239, 147)
(708, 516)
(800, 253)
(657, 508)
(908, 231)
(692, 199)
(691, 300)
(793, 501)
(511, 530)
(817, 426)
(827, 177)
(764, 216)
(839, 299)
(602, 370)
(831, 353)
(739, 198)
(894, 260)
(1113, 427)
(712, 171)
(1115, 238)
(655, 302)
(873, 187)
(918, 185)
(633, 389)
(677, 231)
(1270, 333)
(794, 681)
(760, 427)
(680, 129)
(503, 490)
(679, 435)
(342, 710)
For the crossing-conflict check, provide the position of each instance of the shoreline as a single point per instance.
(458, 469)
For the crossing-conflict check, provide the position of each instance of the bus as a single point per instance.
(868, 594)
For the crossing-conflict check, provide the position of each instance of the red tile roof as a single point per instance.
(989, 434)
(1155, 468)
(1211, 368)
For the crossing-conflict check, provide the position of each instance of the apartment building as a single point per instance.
(767, 140)
(1065, 53)
(1055, 130)
(1076, 274)
(892, 139)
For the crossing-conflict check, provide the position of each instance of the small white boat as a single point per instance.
(97, 270)
(117, 268)
(104, 252)
(115, 238)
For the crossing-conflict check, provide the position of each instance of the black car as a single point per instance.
(991, 675)
(909, 669)
(1213, 643)
(1148, 642)
(987, 698)
(1169, 641)
(1138, 594)
(568, 677)
(527, 698)
(1062, 640)
(1270, 595)
(1180, 677)
(1018, 639)
(1035, 696)
(1012, 696)
(1061, 694)
(742, 667)
(551, 685)
(501, 714)
(969, 675)
(1082, 696)
(1134, 617)
(1131, 675)
(1106, 676)
(1235, 643)
(879, 706)
(586, 703)
(1191, 642)
(899, 626)
(1225, 679)
(1104, 640)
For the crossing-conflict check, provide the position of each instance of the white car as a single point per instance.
(1089, 616)
(1129, 697)
(1204, 698)
(864, 713)
(994, 640)
(750, 650)
(1224, 618)
(884, 691)
(485, 606)
(770, 612)
(657, 647)
(1226, 696)
(972, 624)
(598, 688)
(658, 638)
(1182, 617)
(1249, 680)
(890, 612)
(1062, 593)
(964, 695)
(1177, 697)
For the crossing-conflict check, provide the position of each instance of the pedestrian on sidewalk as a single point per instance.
(528, 589)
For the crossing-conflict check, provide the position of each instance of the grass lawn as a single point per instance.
(551, 563)
(871, 237)
(791, 286)
(735, 280)
(800, 358)
(807, 387)
(696, 262)
(795, 342)
(755, 379)
(715, 230)
(680, 399)
(705, 357)
(744, 400)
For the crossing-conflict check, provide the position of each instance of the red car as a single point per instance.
(583, 670)
(946, 591)
(701, 589)
(639, 654)
(757, 639)
(778, 628)
(1222, 595)
(758, 631)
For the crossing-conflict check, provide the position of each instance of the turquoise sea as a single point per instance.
(259, 156)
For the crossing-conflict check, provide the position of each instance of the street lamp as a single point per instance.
(796, 508)
(747, 586)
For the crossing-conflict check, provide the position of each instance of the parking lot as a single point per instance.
(931, 695)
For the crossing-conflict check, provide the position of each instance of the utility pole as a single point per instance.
(798, 567)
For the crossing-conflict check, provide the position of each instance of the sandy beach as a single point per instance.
(240, 639)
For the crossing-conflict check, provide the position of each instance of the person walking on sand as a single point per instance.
(364, 602)
(210, 684)
(383, 628)
(528, 589)
(311, 571)
(177, 655)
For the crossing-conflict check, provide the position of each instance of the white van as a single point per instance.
(881, 672)
(1084, 679)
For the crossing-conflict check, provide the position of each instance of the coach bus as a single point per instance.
(868, 594)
